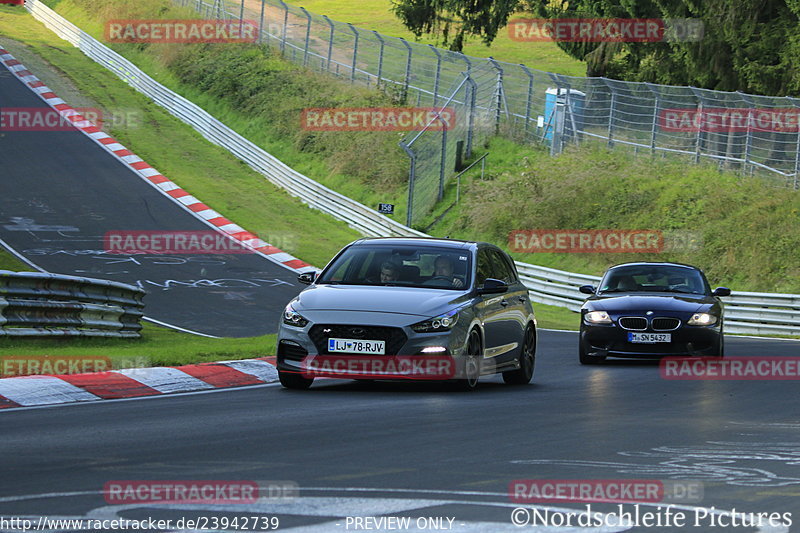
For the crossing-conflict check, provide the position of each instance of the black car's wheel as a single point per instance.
(587, 359)
(472, 363)
(527, 361)
(293, 380)
(721, 351)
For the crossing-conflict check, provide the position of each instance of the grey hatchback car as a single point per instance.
(410, 308)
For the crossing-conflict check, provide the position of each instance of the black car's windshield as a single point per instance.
(659, 278)
(407, 266)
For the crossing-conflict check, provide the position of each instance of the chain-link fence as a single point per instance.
(747, 133)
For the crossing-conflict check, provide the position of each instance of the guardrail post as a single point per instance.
(438, 73)
(285, 25)
(355, 52)
(241, 16)
(411, 178)
(407, 80)
(529, 96)
(308, 35)
(330, 42)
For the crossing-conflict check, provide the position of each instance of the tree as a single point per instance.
(748, 45)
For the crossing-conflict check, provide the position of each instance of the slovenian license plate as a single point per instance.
(649, 338)
(356, 346)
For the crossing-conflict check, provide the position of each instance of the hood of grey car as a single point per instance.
(401, 300)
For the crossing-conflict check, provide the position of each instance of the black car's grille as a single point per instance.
(394, 337)
(665, 324)
(292, 351)
(633, 322)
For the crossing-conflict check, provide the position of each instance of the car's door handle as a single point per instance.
(504, 303)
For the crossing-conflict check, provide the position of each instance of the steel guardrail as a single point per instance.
(43, 305)
(746, 312)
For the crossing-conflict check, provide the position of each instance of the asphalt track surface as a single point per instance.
(60, 193)
(420, 450)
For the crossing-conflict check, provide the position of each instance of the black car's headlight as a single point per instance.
(597, 317)
(443, 322)
(293, 318)
(702, 319)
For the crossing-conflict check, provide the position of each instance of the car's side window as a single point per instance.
(502, 270)
(484, 269)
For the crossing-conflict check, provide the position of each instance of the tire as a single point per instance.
(472, 369)
(293, 380)
(587, 359)
(527, 361)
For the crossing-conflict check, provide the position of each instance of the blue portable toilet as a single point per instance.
(557, 111)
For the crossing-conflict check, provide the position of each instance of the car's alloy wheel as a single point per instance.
(293, 380)
(527, 361)
(472, 363)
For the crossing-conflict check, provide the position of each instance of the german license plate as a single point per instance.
(356, 346)
(649, 338)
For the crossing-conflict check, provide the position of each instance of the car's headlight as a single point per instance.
(443, 322)
(293, 318)
(597, 317)
(702, 319)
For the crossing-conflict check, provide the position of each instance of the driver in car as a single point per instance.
(443, 269)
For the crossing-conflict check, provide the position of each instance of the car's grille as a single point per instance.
(292, 351)
(665, 324)
(394, 337)
(633, 322)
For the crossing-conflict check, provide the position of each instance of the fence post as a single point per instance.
(285, 24)
(499, 93)
(261, 24)
(330, 42)
(748, 144)
(241, 16)
(654, 128)
(308, 36)
(699, 138)
(470, 101)
(797, 146)
(407, 80)
(438, 73)
(443, 162)
(380, 57)
(355, 52)
(411, 178)
(527, 71)
(611, 109)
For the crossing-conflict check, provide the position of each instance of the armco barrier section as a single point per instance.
(750, 313)
(40, 304)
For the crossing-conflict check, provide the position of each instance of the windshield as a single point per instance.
(408, 266)
(655, 279)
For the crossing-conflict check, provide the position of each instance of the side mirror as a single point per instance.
(721, 291)
(493, 286)
(587, 289)
(307, 278)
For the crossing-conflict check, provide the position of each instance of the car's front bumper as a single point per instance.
(612, 341)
